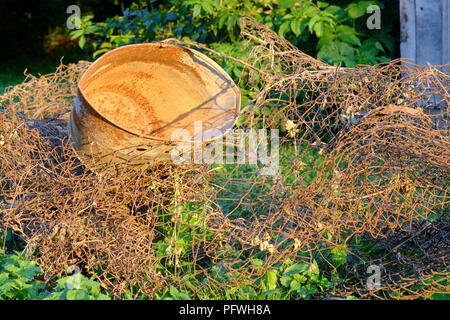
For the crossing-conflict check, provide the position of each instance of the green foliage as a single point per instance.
(77, 287)
(305, 280)
(339, 256)
(336, 34)
(16, 278)
(172, 293)
(184, 228)
(86, 27)
(285, 280)
(179, 232)
(18, 282)
(299, 280)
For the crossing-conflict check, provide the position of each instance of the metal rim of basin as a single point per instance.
(88, 125)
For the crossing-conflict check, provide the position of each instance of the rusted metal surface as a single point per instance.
(131, 100)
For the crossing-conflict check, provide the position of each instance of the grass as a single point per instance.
(12, 70)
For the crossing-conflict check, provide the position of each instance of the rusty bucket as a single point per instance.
(131, 100)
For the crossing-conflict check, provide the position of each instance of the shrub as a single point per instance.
(336, 34)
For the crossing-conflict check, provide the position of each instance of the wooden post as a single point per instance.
(424, 26)
(446, 32)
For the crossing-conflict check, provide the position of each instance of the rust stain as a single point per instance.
(128, 87)
(137, 94)
(125, 106)
(170, 54)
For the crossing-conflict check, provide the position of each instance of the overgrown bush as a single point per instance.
(334, 33)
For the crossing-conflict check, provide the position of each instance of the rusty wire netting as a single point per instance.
(364, 161)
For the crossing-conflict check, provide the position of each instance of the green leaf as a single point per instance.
(75, 34)
(208, 7)
(322, 5)
(383, 59)
(355, 10)
(269, 292)
(338, 52)
(76, 21)
(222, 20)
(319, 28)
(174, 292)
(184, 296)
(379, 46)
(339, 255)
(295, 27)
(11, 268)
(298, 26)
(6, 287)
(326, 39)
(271, 278)
(257, 262)
(77, 295)
(312, 23)
(295, 285)
(102, 296)
(314, 268)
(312, 12)
(231, 22)
(91, 29)
(348, 34)
(440, 296)
(286, 4)
(197, 10)
(285, 281)
(367, 53)
(284, 28)
(82, 42)
(96, 53)
(88, 17)
(300, 278)
(296, 268)
(336, 11)
(305, 292)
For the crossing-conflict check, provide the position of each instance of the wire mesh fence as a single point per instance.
(363, 165)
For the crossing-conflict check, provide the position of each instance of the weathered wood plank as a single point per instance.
(429, 32)
(425, 33)
(408, 29)
(446, 33)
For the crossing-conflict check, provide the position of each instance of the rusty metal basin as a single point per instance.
(131, 100)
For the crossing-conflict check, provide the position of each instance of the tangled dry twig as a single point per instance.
(364, 156)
